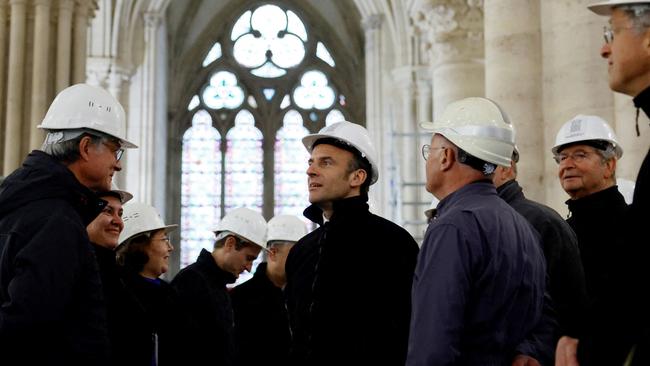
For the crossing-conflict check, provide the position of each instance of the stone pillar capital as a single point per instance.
(372, 22)
(65, 4)
(451, 29)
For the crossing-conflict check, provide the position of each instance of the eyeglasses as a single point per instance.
(608, 32)
(577, 157)
(118, 151)
(426, 150)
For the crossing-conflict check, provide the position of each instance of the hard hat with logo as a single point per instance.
(353, 135)
(141, 218)
(479, 126)
(606, 7)
(588, 129)
(285, 228)
(244, 223)
(82, 106)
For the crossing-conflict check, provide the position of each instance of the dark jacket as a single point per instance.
(349, 288)
(51, 304)
(597, 220)
(201, 287)
(145, 316)
(478, 289)
(261, 322)
(566, 279)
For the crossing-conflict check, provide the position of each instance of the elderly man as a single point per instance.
(349, 281)
(52, 305)
(480, 272)
(587, 150)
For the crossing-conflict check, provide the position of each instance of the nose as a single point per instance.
(118, 166)
(311, 170)
(249, 266)
(117, 220)
(170, 246)
(605, 51)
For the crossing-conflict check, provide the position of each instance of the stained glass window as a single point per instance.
(200, 186)
(223, 91)
(290, 166)
(314, 91)
(255, 67)
(244, 170)
(269, 40)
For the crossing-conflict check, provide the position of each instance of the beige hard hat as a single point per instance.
(246, 223)
(479, 126)
(85, 107)
(141, 218)
(285, 228)
(352, 134)
(586, 128)
(606, 7)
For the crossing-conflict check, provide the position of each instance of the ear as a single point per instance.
(447, 158)
(230, 243)
(611, 168)
(85, 144)
(272, 253)
(358, 177)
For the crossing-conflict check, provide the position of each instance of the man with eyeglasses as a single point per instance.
(201, 286)
(50, 287)
(478, 288)
(587, 150)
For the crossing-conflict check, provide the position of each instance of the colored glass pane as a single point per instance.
(291, 194)
(314, 91)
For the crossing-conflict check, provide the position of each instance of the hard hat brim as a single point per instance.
(606, 7)
(167, 228)
(426, 126)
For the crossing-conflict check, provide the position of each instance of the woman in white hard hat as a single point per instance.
(146, 326)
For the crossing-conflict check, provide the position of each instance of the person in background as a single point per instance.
(52, 309)
(349, 281)
(261, 321)
(587, 151)
(478, 289)
(566, 280)
(146, 319)
(240, 236)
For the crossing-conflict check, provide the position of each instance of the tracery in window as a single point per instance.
(223, 91)
(314, 91)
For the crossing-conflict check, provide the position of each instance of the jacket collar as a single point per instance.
(601, 200)
(480, 187)
(207, 262)
(643, 101)
(510, 191)
(347, 207)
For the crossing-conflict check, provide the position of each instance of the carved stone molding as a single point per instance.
(449, 29)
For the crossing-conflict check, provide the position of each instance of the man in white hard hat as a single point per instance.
(566, 279)
(625, 307)
(50, 287)
(240, 236)
(587, 150)
(261, 320)
(478, 289)
(349, 281)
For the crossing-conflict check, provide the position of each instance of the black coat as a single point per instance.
(566, 280)
(597, 220)
(201, 287)
(349, 289)
(144, 315)
(261, 322)
(51, 304)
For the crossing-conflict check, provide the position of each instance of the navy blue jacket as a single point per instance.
(479, 283)
(51, 303)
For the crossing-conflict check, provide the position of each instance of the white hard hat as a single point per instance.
(586, 128)
(626, 187)
(245, 223)
(285, 228)
(479, 126)
(353, 135)
(124, 195)
(82, 106)
(606, 7)
(141, 218)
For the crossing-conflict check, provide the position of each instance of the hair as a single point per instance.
(239, 242)
(358, 161)
(68, 151)
(607, 153)
(639, 15)
(131, 255)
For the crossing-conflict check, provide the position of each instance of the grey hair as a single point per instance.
(68, 151)
(608, 154)
(639, 15)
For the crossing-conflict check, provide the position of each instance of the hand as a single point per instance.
(523, 360)
(566, 353)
